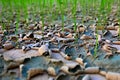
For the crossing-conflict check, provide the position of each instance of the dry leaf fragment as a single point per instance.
(9, 45)
(62, 76)
(59, 34)
(1, 32)
(106, 48)
(114, 33)
(50, 34)
(67, 30)
(71, 71)
(93, 77)
(14, 38)
(1, 37)
(18, 55)
(75, 69)
(93, 27)
(51, 71)
(53, 39)
(31, 26)
(59, 39)
(37, 36)
(33, 72)
(111, 28)
(43, 50)
(65, 69)
(72, 64)
(55, 50)
(43, 76)
(89, 53)
(108, 55)
(85, 37)
(117, 48)
(79, 60)
(113, 76)
(69, 35)
(116, 42)
(118, 30)
(103, 73)
(118, 51)
(65, 56)
(30, 46)
(28, 36)
(81, 28)
(38, 32)
(68, 40)
(108, 41)
(12, 65)
(92, 70)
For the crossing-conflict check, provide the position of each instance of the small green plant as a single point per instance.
(74, 14)
(51, 10)
(2, 13)
(42, 5)
(60, 2)
(96, 44)
(17, 27)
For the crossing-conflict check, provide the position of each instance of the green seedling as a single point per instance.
(74, 14)
(60, 2)
(96, 45)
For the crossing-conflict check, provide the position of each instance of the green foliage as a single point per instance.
(96, 44)
(61, 4)
(16, 30)
(56, 8)
(74, 13)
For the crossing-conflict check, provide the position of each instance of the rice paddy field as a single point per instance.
(59, 39)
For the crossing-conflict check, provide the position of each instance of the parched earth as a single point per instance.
(54, 54)
(50, 53)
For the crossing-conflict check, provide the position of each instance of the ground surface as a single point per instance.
(37, 51)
